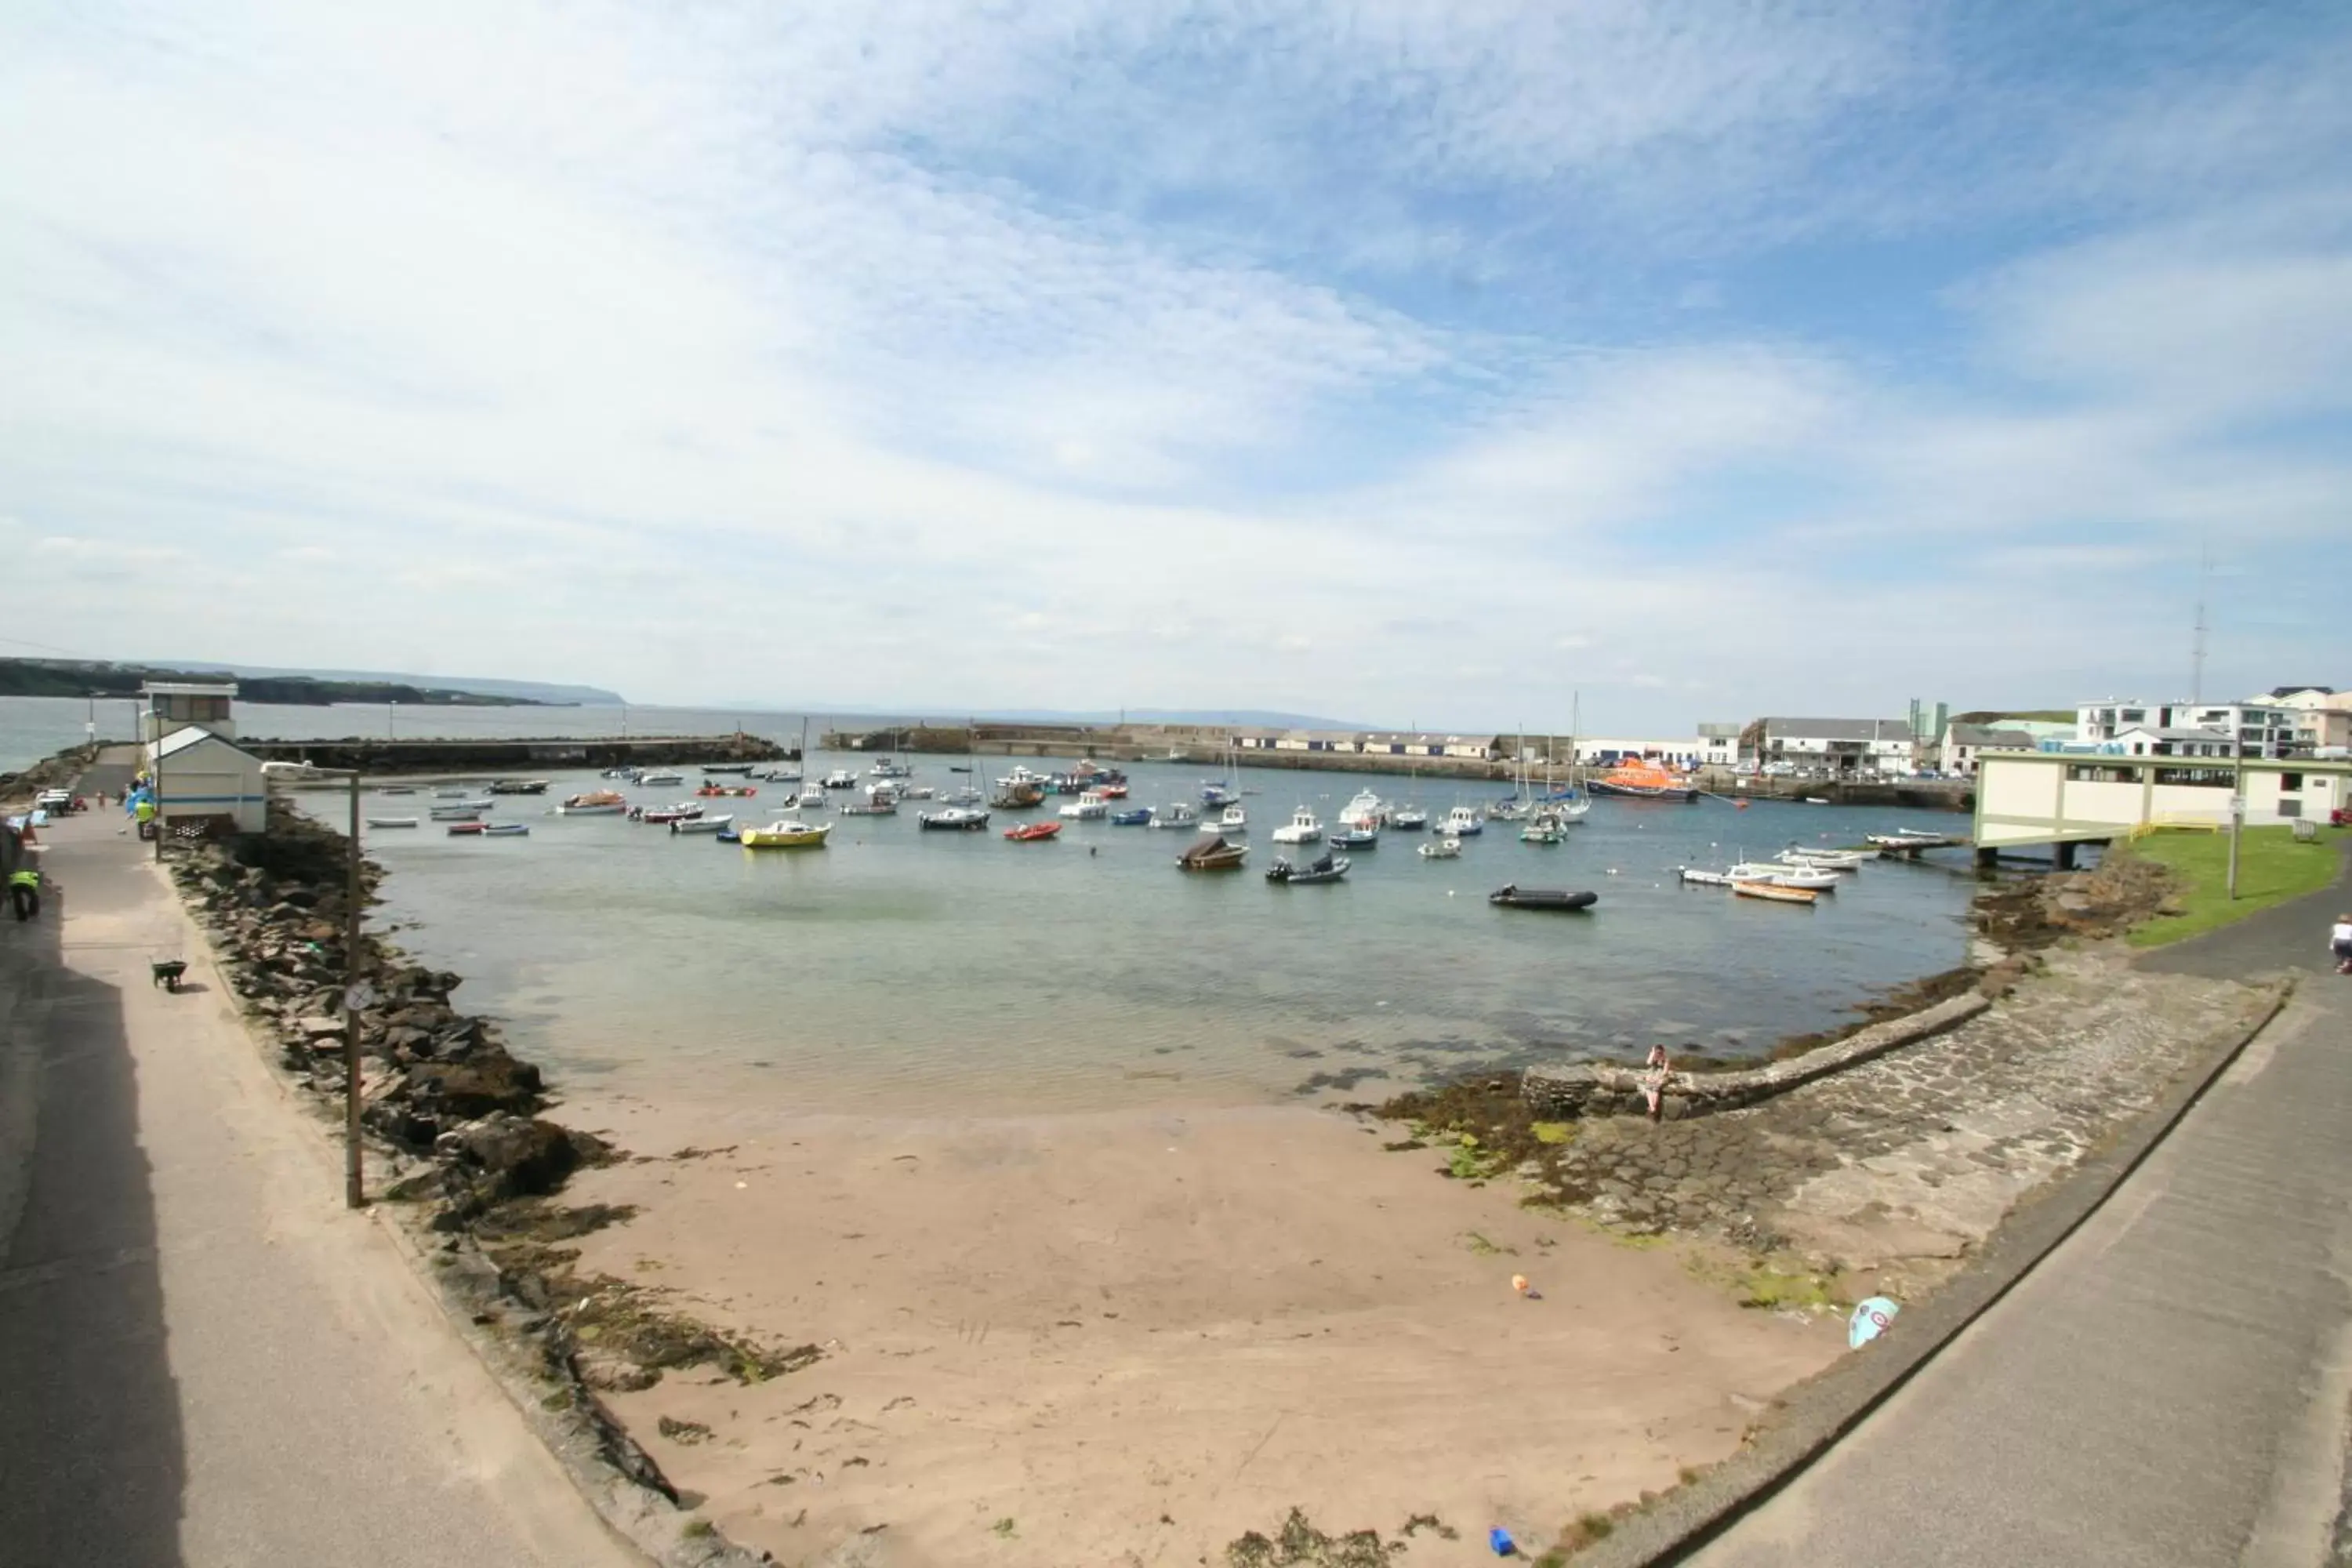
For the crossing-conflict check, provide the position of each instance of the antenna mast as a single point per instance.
(2197, 649)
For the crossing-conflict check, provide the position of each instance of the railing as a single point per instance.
(2176, 821)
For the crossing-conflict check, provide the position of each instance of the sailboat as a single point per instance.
(1410, 819)
(967, 794)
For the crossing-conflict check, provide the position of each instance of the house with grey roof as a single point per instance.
(1880, 746)
(1961, 742)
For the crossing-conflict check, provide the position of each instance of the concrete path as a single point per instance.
(204, 1360)
(2170, 1387)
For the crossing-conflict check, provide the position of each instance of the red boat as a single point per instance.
(1031, 832)
(455, 828)
(732, 791)
(1113, 790)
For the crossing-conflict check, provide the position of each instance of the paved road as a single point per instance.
(203, 1360)
(2172, 1386)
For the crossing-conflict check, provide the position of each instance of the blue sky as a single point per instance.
(1397, 360)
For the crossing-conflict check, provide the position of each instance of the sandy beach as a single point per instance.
(1131, 1337)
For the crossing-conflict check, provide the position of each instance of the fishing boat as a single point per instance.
(1513, 897)
(811, 798)
(455, 813)
(1233, 819)
(1139, 817)
(1644, 780)
(1180, 814)
(1694, 876)
(392, 822)
(595, 802)
(1090, 807)
(518, 786)
(507, 830)
(1444, 846)
(890, 768)
(1033, 832)
(1326, 868)
(841, 778)
(1304, 827)
(954, 819)
(740, 769)
(1355, 838)
(880, 800)
(1018, 795)
(663, 777)
(459, 829)
(786, 832)
(1749, 888)
(1021, 774)
(1462, 822)
(702, 824)
(1542, 828)
(1209, 852)
(1364, 809)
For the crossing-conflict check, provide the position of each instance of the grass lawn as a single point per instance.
(2271, 869)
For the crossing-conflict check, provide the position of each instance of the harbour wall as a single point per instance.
(519, 755)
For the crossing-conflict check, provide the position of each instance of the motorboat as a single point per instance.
(1364, 810)
(663, 816)
(657, 779)
(1112, 791)
(889, 768)
(450, 794)
(1749, 888)
(1446, 846)
(392, 822)
(456, 813)
(786, 832)
(1694, 876)
(1018, 795)
(1355, 838)
(919, 792)
(518, 786)
(1216, 795)
(507, 830)
(841, 778)
(1033, 832)
(731, 836)
(1090, 807)
(595, 802)
(1513, 897)
(1825, 860)
(881, 800)
(1328, 868)
(1644, 780)
(459, 829)
(811, 798)
(1407, 818)
(1233, 819)
(1304, 827)
(1139, 817)
(702, 824)
(1462, 822)
(1542, 828)
(955, 819)
(1022, 773)
(1209, 852)
(1785, 876)
(740, 769)
(1180, 814)
(734, 791)
(779, 775)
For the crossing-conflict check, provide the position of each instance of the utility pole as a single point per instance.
(2236, 806)
(2197, 647)
(155, 786)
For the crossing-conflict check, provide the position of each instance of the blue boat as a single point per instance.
(1139, 818)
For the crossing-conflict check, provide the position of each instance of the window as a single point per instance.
(2135, 715)
(2290, 808)
(2291, 783)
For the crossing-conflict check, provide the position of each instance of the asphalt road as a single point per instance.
(2172, 1386)
(204, 1359)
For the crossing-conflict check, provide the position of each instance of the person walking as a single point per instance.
(24, 892)
(2339, 942)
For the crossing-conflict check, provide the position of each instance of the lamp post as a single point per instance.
(356, 996)
(2237, 805)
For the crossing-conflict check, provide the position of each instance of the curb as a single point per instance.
(1811, 1419)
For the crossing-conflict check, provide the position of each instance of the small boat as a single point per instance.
(919, 792)
(954, 819)
(1645, 781)
(1815, 800)
(595, 802)
(734, 791)
(1216, 795)
(786, 832)
(702, 824)
(810, 798)
(779, 775)
(1177, 815)
(1510, 809)
(1113, 790)
(449, 794)
(1694, 876)
(1785, 876)
(1304, 827)
(841, 778)
(1033, 832)
(1327, 869)
(507, 830)
(1209, 852)
(1141, 817)
(651, 780)
(1444, 846)
(1462, 822)
(1749, 888)
(1090, 807)
(731, 836)
(1355, 838)
(459, 829)
(1233, 819)
(1542, 828)
(1513, 897)
(397, 789)
(1365, 809)
(889, 768)
(455, 814)
(1909, 839)
(1823, 860)
(392, 822)
(518, 786)
(663, 816)
(872, 805)
(1407, 818)
(740, 769)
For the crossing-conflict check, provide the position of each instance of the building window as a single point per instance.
(2293, 782)
(2290, 808)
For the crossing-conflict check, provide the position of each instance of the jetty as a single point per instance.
(520, 754)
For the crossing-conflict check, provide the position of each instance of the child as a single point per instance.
(1653, 1080)
(2339, 942)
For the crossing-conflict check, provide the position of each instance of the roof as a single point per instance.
(2218, 737)
(181, 739)
(2293, 690)
(1990, 735)
(1839, 728)
(187, 688)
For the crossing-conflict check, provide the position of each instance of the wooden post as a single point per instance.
(355, 1193)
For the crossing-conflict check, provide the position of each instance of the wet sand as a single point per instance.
(1130, 1337)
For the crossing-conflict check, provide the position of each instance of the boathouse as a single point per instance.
(204, 778)
(2066, 797)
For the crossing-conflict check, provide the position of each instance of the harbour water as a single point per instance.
(938, 973)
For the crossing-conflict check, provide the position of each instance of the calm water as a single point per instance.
(930, 973)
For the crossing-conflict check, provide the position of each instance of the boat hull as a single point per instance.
(1558, 901)
(1644, 791)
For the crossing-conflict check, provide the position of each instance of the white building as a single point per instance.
(1883, 746)
(1962, 743)
(172, 704)
(1682, 752)
(200, 776)
(2057, 797)
(2261, 729)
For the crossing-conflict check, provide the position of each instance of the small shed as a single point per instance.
(202, 777)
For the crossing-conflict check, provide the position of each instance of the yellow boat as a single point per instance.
(787, 834)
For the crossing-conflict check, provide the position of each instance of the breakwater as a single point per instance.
(515, 754)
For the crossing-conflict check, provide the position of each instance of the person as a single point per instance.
(145, 813)
(24, 892)
(1655, 1072)
(2339, 942)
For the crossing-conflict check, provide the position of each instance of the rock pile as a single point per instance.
(2121, 892)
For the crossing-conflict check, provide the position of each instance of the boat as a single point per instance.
(595, 802)
(1823, 860)
(1304, 827)
(458, 828)
(1112, 791)
(1694, 876)
(397, 789)
(1017, 794)
(1815, 800)
(1785, 876)
(727, 792)
(740, 769)
(1233, 819)
(1090, 807)
(889, 768)
(1909, 839)
(656, 779)
(1407, 818)
(954, 819)
(1462, 822)
(1180, 814)
(1209, 852)
(456, 813)
(1327, 869)
(1749, 888)
(1364, 809)
(518, 786)
(1216, 795)
(811, 798)
(1513, 897)
(731, 836)
(449, 794)
(1033, 832)
(880, 801)
(392, 822)
(507, 830)
(786, 832)
(1021, 774)
(1644, 780)
(778, 775)
(702, 824)
(663, 816)
(1542, 828)
(841, 778)
(1141, 817)
(1444, 846)
(1510, 808)
(1355, 838)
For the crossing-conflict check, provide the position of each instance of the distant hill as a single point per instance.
(2029, 715)
(531, 692)
(85, 677)
(1229, 717)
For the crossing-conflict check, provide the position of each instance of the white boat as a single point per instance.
(1304, 827)
(392, 822)
(1822, 859)
(1177, 815)
(1091, 806)
(1704, 879)
(1462, 822)
(881, 800)
(781, 776)
(889, 769)
(456, 814)
(1021, 775)
(1542, 828)
(595, 802)
(955, 819)
(841, 778)
(1784, 876)
(810, 798)
(507, 830)
(1407, 818)
(1444, 846)
(1233, 819)
(447, 794)
(1367, 810)
(702, 824)
(787, 833)
(919, 792)
(664, 777)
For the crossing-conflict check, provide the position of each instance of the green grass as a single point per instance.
(2271, 869)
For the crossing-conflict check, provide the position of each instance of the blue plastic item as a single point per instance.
(1500, 1540)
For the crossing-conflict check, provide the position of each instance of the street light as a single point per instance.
(356, 996)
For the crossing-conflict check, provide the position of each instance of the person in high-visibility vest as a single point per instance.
(145, 812)
(24, 892)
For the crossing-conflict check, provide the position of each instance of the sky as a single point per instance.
(1451, 364)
